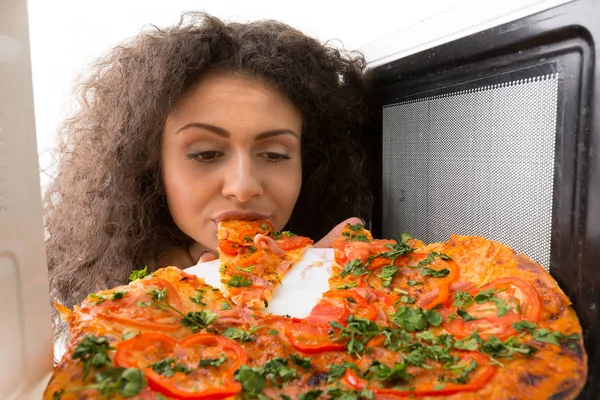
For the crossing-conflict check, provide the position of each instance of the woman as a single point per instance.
(186, 126)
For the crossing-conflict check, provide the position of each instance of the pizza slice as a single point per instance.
(255, 258)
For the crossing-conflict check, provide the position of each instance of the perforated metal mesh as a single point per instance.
(475, 162)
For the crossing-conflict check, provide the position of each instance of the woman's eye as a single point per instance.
(275, 156)
(206, 155)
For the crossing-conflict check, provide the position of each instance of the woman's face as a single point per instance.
(231, 149)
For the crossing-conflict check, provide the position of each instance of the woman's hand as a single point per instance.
(337, 231)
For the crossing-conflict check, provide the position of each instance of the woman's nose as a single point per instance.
(242, 181)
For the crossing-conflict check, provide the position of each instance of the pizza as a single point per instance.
(254, 259)
(463, 319)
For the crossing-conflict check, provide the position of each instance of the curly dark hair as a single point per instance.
(106, 212)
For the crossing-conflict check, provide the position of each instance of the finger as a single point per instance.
(206, 257)
(337, 231)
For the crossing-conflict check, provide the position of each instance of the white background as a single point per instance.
(68, 35)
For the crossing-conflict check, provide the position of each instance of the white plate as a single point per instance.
(301, 287)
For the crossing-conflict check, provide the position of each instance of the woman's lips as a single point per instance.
(239, 214)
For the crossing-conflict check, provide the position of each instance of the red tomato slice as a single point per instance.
(431, 387)
(328, 310)
(345, 251)
(293, 242)
(136, 307)
(311, 338)
(148, 348)
(517, 293)
(229, 247)
(357, 306)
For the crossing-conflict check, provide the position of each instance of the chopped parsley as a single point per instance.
(113, 296)
(239, 281)
(198, 297)
(353, 267)
(139, 274)
(442, 273)
(212, 362)
(168, 367)
(93, 352)
(239, 335)
(387, 274)
(199, 319)
(358, 332)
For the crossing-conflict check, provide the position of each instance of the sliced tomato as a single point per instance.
(137, 308)
(248, 256)
(357, 304)
(148, 348)
(328, 310)
(229, 247)
(345, 251)
(293, 242)
(311, 338)
(430, 386)
(518, 295)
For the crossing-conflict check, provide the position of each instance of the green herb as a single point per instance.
(360, 238)
(462, 299)
(239, 335)
(93, 352)
(129, 335)
(396, 339)
(407, 300)
(464, 315)
(347, 286)
(524, 325)
(102, 298)
(157, 295)
(547, 336)
(336, 371)
(414, 283)
(410, 319)
(310, 395)
(435, 273)
(199, 319)
(358, 332)
(225, 306)
(247, 269)
(387, 274)
(396, 250)
(273, 332)
(433, 317)
(353, 267)
(356, 227)
(139, 274)
(198, 297)
(464, 375)
(239, 281)
(212, 362)
(431, 257)
(339, 394)
(168, 367)
(302, 362)
(251, 379)
(392, 376)
(499, 349)
(247, 239)
(117, 380)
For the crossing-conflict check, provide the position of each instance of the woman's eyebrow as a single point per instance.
(224, 133)
(276, 132)
(214, 129)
